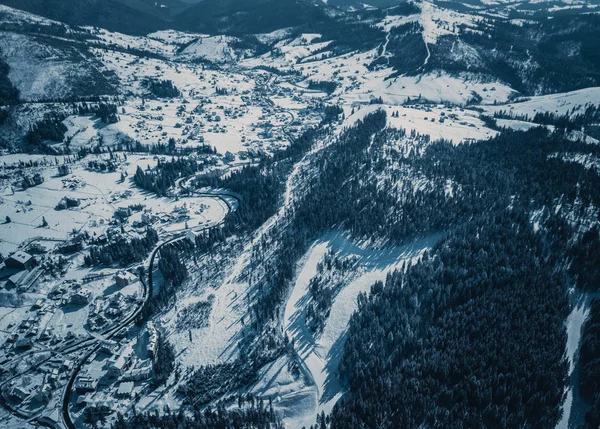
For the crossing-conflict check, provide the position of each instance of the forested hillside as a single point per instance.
(471, 333)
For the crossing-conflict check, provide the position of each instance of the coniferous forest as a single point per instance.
(474, 333)
(316, 214)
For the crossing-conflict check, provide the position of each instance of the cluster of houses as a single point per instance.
(104, 309)
(123, 371)
(36, 391)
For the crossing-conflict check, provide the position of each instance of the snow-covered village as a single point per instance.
(299, 214)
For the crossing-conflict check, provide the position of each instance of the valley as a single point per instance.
(382, 216)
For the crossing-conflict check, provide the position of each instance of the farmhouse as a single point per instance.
(20, 260)
(86, 384)
(124, 278)
(125, 389)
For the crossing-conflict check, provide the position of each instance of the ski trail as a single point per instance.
(320, 356)
(572, 412)
(290, 187)
(384, 50)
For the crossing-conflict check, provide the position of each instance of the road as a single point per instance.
(148, 289)
(89, 346)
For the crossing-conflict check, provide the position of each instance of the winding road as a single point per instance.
(147, 288)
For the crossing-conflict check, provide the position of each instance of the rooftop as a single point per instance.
(21, 256)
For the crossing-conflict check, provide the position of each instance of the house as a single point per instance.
(23, 344)
(42, 396)
(86, 383)
(191, 236)
(20, 260)
(108, 346)
(152, 341)
(124, 278)
(52, 419)
(102, 406)
(67, 203)
(16, 279)
(80, 298)
(64, 170)
(123, 212)
(148, 218)
(117, 364)
(37, 304)
(138, 374)
(18, 393)
(125, 389)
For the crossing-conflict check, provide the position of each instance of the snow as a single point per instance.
(286, 53)
(392, 21)
(558, 104)
(574, 324)
(100, 195)
(125, 41)
(38, 70)
(321, 355)
(437, 21)
(217, 342)
(459, 125)
(173, 37)
(274, 36)
(436, 87)
(212, 48)
(514, 124)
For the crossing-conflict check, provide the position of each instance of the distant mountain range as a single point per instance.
(144, 16)
(535, 48)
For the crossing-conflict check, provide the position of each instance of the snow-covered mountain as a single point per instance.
(289, 213)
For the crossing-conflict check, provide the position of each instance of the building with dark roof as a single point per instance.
(20, 260)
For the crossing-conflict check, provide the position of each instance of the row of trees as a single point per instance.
(164, 361)
(158, 180)
(253, 417)
(162, 88)
(49, 128)
(122, 250)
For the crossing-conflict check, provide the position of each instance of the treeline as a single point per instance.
(584, 256)
(8, 93)
(325, 204)
(330, 279)
(211, 382)
(107, 112)
(172, 268)
(332, 113)
(461, 340)
(259, 187)
(589, 366)
(122, 251)
(472, 335)
(162, 88)
(571, 120)
(164, 175)
(173, 271)
(169, 148)
(254, 417)
(367, 188)
(49, 128)
(164, 361)
(327, 86)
